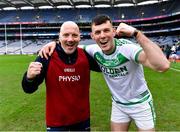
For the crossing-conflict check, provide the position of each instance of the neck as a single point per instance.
(113, 48)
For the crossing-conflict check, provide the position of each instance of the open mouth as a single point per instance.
(103, 43)
(70, 45)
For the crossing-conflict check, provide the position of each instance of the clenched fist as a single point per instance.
(34, 69)
(125, 30)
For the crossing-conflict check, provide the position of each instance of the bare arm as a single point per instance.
(151, 56)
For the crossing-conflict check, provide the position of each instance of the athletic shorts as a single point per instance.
(142, 114)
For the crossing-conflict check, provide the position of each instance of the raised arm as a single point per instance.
(34, 75)
(151, 56)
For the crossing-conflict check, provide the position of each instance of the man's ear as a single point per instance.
(91, 34)
(59, 36)
(114, 32)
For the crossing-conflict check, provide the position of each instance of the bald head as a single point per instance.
(69, 24)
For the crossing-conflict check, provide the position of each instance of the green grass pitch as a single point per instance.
(20, 111)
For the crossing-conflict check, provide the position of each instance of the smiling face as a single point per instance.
(69, 37)
(103, 34)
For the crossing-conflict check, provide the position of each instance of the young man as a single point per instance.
(67, 77)
(120, 61)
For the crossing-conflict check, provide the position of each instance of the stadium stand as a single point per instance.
(31, 28)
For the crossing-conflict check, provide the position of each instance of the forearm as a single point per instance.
(155, 58)
(29, 86)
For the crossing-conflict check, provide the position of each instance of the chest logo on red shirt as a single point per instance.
(69, 78)
(69, 69)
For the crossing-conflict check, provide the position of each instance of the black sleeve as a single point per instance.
(93, 64)
(30, 86)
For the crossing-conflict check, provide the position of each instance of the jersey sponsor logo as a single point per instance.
(69, 69)
(70, 78)
(118, 60)
(114, 72)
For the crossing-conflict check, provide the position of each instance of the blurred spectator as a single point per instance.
(167, 51)
(173, 48)
(174, 56)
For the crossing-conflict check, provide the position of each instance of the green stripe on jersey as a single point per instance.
(137, 55)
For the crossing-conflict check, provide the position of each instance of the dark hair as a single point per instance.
(100, 19)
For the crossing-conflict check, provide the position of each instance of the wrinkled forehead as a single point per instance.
(69, 26)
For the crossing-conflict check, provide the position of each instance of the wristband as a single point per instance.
(135, 33)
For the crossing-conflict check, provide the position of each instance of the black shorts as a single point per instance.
(82, 126)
